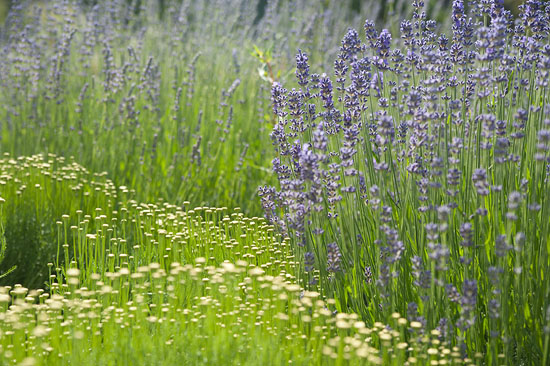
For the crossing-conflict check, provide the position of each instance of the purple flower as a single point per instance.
(466, 233)
(325, 89)
(371, 33)
(452, 293)
(309, 261)
(333, 258)
(479, 178)
(302, 68)
(458, 16)
(406, 29)
(383, 43)
(534, 16)
(368, 274)
(351, 44)
(469, 294)
(278, 99)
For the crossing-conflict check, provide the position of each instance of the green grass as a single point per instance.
(152, 107)
(145, 98)
(38, 190)
(159, 285)
(130, 224)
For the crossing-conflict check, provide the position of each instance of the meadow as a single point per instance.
(309, 182)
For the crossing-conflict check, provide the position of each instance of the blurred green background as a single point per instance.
(354, 6)
(3, 9)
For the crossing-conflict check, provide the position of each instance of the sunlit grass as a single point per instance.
(155, 284)
(405, 198)
(37, 191)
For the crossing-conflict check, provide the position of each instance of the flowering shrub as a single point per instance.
(406, 214)
(415, 180)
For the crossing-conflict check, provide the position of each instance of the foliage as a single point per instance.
(406, 214)
(416, 180)
(160, 285)
(38, 191)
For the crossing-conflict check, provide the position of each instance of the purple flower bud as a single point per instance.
(351, 45)
(383, 43)
(309, 261)
(370, 32)
(333, 258)
(302, 68)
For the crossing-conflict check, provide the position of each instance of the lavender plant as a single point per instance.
(165, 105)
(406, 214)
(415, 179)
